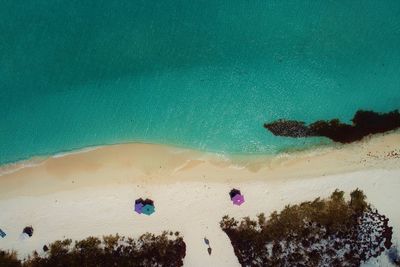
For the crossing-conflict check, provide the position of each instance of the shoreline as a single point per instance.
(322, 148)
(92, 193)
(377, 145)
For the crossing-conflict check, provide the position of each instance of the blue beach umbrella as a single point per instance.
(148, 209)
(2, 234)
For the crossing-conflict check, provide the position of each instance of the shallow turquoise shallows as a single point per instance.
(202, 74)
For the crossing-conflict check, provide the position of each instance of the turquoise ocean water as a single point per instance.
(203, 74)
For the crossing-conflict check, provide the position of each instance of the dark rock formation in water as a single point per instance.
(289, 128)
(364, 123)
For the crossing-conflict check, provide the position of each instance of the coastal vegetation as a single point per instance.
(322, 232)
(363, 124)
(167, 249)
(9, 259)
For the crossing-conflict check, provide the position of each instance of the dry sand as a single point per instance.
(93, 193)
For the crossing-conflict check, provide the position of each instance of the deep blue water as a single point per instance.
(202, 74)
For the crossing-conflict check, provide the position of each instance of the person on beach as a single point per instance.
(207, 242)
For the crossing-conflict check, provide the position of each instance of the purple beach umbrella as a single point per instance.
(238, 199)
(138, 207)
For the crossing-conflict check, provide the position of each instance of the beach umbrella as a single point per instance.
(234, 192)
(138, 207)
(238, 199)
(2, 234)
(148, 209)
(28, 230)
(139, 203)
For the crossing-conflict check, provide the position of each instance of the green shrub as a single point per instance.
(148, 250)
(323, 232)
(9, 259)
(167, 249)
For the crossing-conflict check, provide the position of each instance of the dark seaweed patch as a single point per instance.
(363, 124)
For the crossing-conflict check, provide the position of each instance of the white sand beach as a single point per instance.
(92, 193)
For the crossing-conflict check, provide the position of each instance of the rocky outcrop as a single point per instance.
(363, 123)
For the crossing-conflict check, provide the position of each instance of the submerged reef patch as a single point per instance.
(364, 123)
